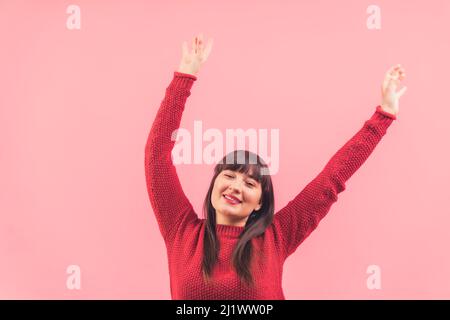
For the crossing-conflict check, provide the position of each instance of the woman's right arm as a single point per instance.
(169, 203)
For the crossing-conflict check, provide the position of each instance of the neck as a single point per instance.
(229, 221)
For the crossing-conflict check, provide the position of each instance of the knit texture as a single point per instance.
(183, 231)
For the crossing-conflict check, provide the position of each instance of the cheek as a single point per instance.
(253, 196)
(218, 186)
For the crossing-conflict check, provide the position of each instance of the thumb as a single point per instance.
(402, 91)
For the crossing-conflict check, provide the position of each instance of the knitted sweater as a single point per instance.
(183, 231)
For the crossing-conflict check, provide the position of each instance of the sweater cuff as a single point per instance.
(385, 113)
(183, 80)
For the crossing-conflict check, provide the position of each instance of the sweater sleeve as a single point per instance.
(300, 216)
(170, 204)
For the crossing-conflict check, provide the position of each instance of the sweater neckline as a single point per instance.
(227, 230)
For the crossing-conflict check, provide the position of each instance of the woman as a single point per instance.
(238, 250)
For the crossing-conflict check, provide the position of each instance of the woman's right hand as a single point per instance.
(193, 59)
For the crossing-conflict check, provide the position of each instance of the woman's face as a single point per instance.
(245, 194)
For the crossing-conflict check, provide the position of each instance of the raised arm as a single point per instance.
(166, 195)
(300, 216)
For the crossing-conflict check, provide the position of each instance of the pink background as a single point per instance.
(76, 107)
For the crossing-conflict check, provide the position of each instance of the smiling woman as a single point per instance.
(240, 195)
(238, 250)
(234, 197)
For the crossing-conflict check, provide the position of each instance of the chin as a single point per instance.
(231, 213)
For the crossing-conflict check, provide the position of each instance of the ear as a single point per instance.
(258, 207)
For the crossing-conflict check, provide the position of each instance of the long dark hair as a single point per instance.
(242, 161)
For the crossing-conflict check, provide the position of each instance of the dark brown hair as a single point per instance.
(249, 163)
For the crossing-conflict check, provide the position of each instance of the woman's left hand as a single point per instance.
(389, 94)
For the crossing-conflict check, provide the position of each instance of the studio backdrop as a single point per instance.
(80, 86)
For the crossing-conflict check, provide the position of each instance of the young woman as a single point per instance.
(238, 251)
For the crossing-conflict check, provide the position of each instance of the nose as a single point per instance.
(235, 186)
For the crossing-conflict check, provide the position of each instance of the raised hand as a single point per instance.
(390, 96)
(192, 59)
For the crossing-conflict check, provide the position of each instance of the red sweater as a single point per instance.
(183, 231)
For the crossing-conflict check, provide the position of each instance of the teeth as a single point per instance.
(231, 199)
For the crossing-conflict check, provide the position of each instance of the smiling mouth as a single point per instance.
(230, 200)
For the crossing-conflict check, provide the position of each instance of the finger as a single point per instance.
(208, 49)
(402, 91)
(194, 41)
(200, 42)
(387, 77)
(395, 74)
(390, 70)
(196, 45)
(399, 71)
(394, 70)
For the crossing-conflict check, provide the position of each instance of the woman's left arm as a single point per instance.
(293, 223)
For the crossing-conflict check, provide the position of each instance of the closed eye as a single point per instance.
(230, 176)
